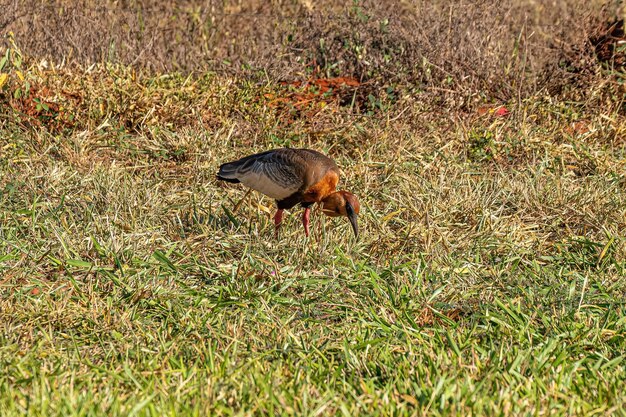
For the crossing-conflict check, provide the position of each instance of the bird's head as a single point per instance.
(343, 203)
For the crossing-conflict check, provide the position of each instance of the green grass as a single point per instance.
(488, 279)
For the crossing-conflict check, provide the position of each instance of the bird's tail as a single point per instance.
(228, 173)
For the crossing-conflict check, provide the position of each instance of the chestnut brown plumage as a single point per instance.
(294, 176)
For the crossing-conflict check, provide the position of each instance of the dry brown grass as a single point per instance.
(452, 54)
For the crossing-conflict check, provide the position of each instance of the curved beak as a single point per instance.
(352, 217)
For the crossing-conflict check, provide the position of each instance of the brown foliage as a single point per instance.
(457, 54)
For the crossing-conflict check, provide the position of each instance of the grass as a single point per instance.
(488, 279)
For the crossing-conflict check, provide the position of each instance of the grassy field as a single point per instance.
(488, 278)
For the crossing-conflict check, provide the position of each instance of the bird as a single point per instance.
(291, 177)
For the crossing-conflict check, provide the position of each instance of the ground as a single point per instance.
(487, 280)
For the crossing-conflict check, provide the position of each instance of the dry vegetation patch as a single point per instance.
(454, 54)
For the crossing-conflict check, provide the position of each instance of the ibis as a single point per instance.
(291, 177)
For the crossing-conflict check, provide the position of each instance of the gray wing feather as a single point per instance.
(271, 173)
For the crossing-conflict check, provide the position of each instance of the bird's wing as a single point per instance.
(272, 173)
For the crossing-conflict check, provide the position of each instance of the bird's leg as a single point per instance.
(278, 218)
(305, 220)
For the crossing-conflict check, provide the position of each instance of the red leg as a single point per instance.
(305, 220)
(278, 218)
